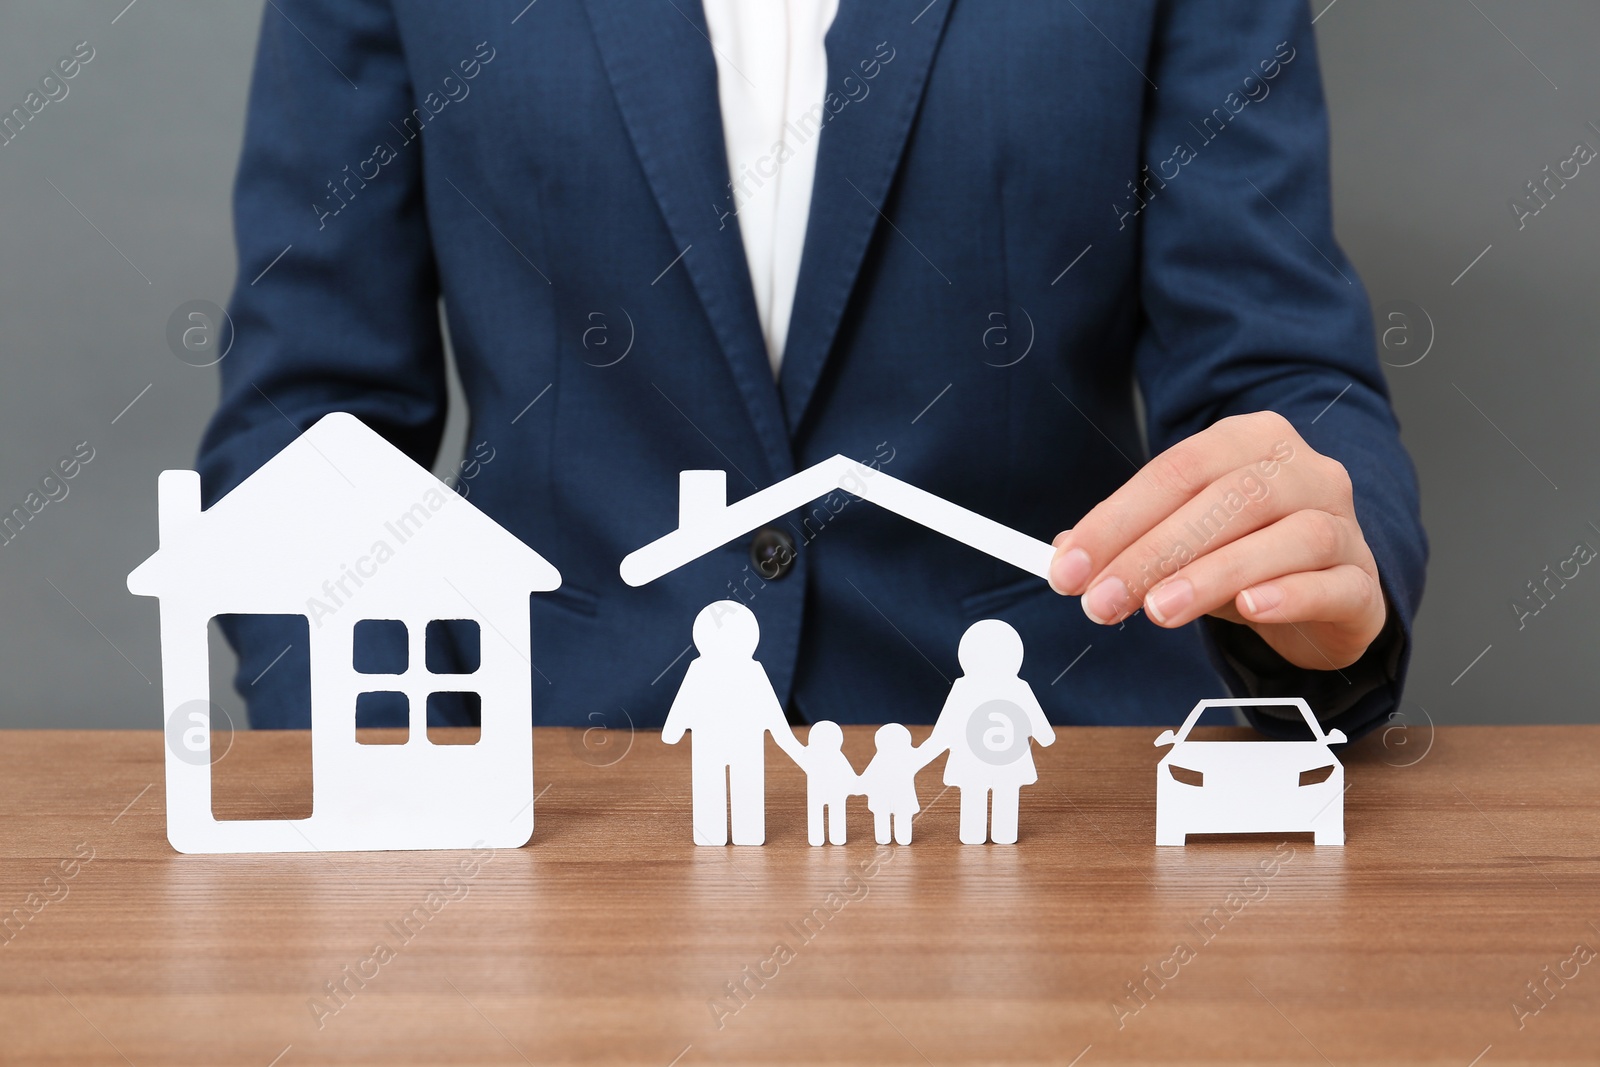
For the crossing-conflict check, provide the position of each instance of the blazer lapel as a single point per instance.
(659, 62)
(857, 159)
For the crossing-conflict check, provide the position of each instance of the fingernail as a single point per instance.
(1261, 598)
(1060, 538)
(1169, 599)
(1070, 570)
(1106, 601)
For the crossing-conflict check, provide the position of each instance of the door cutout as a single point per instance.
(269, 778)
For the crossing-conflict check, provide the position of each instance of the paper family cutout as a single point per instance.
(1250, 787)
(728, 704)
(342, 527)
(339, 527)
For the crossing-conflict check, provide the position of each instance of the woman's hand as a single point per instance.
(1243, 521)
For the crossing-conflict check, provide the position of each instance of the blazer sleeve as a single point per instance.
(1249, 304)
(335, 307)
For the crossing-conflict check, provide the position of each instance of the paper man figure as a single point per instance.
(890, 782)
(986, 725)
(829, 781)
(727, 700)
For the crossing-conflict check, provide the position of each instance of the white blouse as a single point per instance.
(772, 73)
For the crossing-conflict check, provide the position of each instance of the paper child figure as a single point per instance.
(830, 780)
(890, 782)
(986, 725)
(727, 700)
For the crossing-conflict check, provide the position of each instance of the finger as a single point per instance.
(1306, 540)
(1264, 439)
(1347, 596)
(1232, 507)
(1294, 625)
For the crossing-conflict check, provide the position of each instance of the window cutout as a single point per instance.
(453, 646)
(382, 718)
(1185, 775)
(1316, 776)
(1225, 722)
(455, 718)
(380, 647)
(271, 777)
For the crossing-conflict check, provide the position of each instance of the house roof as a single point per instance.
(706, 523)
(316, 510)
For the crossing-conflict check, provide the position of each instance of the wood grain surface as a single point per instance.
(1471, 878)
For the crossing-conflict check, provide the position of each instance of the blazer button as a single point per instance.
(772, 552)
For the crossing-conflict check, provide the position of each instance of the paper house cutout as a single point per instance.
(341, 508)
(1250, 787)
(706, 521)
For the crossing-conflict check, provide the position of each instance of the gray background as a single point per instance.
(1442, 109)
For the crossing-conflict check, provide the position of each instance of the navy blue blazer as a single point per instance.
(1026, 215)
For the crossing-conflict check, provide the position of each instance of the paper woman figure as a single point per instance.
(986, 725)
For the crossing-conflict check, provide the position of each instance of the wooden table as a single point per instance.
(1473, 865)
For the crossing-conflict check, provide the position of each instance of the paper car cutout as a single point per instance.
(342, 508)
(1250, 787)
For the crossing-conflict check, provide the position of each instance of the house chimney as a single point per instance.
(701, 495)
(177, 501)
